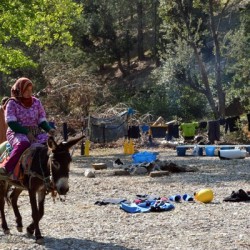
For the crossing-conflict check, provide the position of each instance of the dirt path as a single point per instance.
(80, 224)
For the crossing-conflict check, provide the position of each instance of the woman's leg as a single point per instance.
(15, 154)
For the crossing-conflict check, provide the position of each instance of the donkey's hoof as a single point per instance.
(40, 241)
(19, 229)
(29, 233)
(6, 231)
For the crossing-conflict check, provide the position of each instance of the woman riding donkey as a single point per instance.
(26, 118)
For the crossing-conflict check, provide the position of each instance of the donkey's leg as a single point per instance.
(14, 197)
(41, 199)
(35, 217)
(30, 229)
(3, 194)
(37, 214)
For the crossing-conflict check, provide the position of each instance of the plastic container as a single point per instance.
(210, 150)
(248, 149)
(205, 195)
(226, 148)
(86, 148)
(181, 151)
(232, 154)
(131, 149)
(144, 157)
(198, 151)
(125, 147)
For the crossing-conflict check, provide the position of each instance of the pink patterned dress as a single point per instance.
(26, 117)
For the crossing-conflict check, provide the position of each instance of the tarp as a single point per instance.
(102, 130)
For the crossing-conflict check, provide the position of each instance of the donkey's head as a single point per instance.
(59, 162)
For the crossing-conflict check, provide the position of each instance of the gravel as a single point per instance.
(78, 223)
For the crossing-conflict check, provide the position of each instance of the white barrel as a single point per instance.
(233, 153)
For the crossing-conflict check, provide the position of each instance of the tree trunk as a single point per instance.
(117, 54)
(121, 68)
(205, 81)
(156, 33)
(220, 92)
(128, 49)
(140, 30)
(204, 76)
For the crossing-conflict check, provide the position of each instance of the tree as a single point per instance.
(103, 32)
(28, 23)
(139, 7)
(194, 33)
(113, 28)
(238, 56)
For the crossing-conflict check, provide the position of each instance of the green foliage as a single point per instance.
(105, 33)
(160, 95)
(205, 48)
(96, 32)
(39, 23)
(13, 58)
(168, 102)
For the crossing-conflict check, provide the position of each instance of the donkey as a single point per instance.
(48, 172)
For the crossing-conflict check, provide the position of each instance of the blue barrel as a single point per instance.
(210, 150)
(181, 151)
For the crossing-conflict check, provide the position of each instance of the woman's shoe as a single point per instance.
(187, 197)
(3, 171)
(176, 198)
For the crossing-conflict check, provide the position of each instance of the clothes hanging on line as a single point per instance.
(203, 124)
(231, 124)
(189, 129)
(158, 131)
(213, 131)
(134, 132)
(145, 128)
(173, 131)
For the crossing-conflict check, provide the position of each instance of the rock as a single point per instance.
(174, 168)
(99, 166)
(89, 174)
(158, 173)
(121, 172)
(139, 170)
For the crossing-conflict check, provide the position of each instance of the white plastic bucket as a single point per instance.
(232, 154)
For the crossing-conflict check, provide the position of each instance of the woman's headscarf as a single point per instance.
(19, 88)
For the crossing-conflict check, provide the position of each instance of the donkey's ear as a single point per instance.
(51, 143)
(72, 142)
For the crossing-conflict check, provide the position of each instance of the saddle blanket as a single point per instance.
(24, 162)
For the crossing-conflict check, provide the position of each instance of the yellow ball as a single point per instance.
(205, 195)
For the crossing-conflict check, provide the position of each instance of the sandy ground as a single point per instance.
(78, 223)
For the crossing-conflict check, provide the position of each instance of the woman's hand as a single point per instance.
(31, 137)
(52, 132)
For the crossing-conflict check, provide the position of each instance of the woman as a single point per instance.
(3, 124)
(26, 118)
